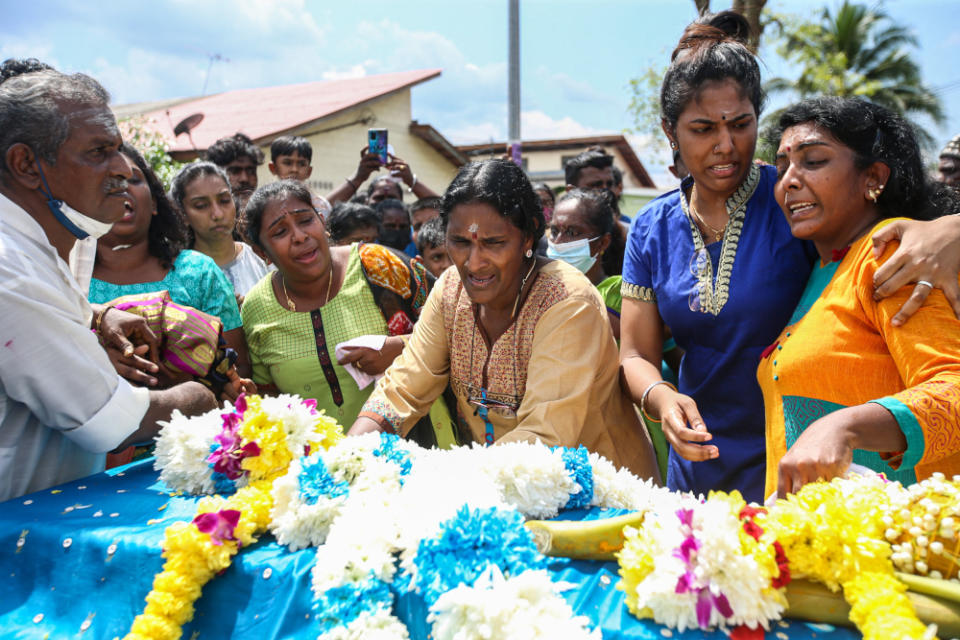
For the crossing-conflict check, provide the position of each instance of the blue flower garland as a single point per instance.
(316, 481)
(389, 450)
(577, 462)
(342, 605)
(470, 542)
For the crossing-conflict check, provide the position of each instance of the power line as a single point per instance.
(950, 86)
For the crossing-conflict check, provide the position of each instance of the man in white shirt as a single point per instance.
(62, 178)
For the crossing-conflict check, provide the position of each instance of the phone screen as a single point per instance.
(377, 143)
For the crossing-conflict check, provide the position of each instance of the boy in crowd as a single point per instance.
(432, 246)
(421, 212)
(290, 158)
(351, 222)
(239, 157)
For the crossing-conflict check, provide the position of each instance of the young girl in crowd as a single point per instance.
(201, 191)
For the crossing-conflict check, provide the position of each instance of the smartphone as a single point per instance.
(377, 143)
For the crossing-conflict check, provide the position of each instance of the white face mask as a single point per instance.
(576, 253)
(79, 224)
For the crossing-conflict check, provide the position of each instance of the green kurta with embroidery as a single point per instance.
(295, 350)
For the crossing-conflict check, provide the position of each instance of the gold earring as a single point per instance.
(872, 195)
(673, 145)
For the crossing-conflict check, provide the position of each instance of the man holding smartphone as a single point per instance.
(371, 161)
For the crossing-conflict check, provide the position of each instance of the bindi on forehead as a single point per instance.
(473, 228)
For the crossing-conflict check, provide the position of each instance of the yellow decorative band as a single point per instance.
(636, 292)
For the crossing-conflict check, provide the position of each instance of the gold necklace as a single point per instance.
(523, 283)
(292, 305)
(717, 233)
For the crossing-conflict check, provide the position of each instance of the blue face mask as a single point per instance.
(576, 253)
(80, 225)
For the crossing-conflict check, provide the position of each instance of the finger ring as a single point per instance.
(359, 367)
(929, 284)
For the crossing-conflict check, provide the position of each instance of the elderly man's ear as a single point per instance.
(22, 166)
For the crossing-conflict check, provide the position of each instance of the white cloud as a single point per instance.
(356, 71)
(534, 125)
(13, 47)
(574, 89)
(537, 125)
(254, 25)
(146, 75)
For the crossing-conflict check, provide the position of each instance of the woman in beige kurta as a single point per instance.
(522, 341)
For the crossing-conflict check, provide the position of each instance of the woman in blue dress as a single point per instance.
(716, 262)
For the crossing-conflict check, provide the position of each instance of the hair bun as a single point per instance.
(711, 29)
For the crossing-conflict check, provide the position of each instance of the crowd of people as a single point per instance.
(758, 328)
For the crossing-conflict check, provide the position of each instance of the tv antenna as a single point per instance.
(213, 57)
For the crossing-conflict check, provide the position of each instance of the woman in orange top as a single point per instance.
(841, 384)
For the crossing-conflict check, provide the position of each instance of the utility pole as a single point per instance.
(513, 87)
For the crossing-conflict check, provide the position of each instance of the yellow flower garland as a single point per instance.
(192, 560)
(192, 557)
(833, 532)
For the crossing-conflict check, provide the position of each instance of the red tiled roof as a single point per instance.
(615, 140)
(271, 111)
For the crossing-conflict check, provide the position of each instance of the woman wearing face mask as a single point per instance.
(144, 253)
(580, 231)
(521, 340)
(547, 199)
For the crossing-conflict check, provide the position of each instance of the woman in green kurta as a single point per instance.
(321, 296)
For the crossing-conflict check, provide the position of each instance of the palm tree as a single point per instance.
(858, 52)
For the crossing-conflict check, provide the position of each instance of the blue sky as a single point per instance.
(577, 57)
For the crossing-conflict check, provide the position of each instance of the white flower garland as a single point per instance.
(368, 500)
(524, 607)
(182, 448)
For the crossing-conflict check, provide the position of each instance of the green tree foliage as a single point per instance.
(152, 145)
(855, 51)
(644, 109)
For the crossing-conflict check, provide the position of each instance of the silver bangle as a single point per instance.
(646, 392)
(414, 183)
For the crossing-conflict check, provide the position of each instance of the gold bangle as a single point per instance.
(646, 392)
(99, 319)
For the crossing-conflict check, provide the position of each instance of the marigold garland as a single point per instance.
(257, 441)
(833, 532)
(193, 558)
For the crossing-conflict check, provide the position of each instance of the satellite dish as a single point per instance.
(187, 125)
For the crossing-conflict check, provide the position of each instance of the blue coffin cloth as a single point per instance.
(77, 561)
